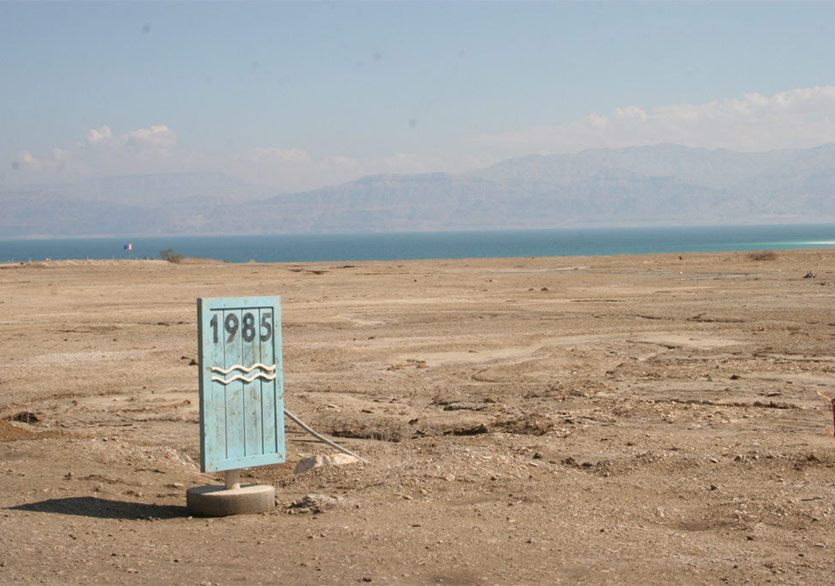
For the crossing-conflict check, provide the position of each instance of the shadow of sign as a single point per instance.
(87, 506)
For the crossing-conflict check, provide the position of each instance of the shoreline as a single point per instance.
(192, 260)
(429, 245)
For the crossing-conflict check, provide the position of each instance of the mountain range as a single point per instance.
(663, 184)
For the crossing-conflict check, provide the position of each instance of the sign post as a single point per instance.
(241, 401)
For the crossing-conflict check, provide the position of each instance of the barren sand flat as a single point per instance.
(625, 419)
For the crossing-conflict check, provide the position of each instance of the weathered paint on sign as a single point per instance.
(241, 382)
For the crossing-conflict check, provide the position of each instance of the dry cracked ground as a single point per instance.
(625, 419)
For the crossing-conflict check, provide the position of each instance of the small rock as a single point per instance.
(313, 462)
(25, 417)
(314, 503)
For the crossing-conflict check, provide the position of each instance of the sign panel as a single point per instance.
(241, 382)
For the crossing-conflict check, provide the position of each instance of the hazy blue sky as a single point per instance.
(298, 95)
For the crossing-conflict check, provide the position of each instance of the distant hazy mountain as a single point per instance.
(662, 184)
(131, 204)
(162, 189)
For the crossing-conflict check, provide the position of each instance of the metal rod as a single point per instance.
(319, 436)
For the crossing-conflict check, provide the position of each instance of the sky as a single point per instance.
(297, 96)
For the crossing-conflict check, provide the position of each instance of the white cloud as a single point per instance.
(341, 162)
(30, 162)
(277, 155)
(794, 119)
(144, 150)
(98, 135)
(294, 169)
(27, 159)
(160, 138)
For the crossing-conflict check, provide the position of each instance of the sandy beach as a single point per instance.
(624, 419)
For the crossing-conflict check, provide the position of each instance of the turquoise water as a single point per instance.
(418, 245)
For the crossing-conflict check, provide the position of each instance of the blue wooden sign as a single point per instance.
(241, 383)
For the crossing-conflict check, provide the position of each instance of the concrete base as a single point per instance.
(219, 501)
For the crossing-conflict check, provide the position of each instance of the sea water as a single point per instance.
(426, 245)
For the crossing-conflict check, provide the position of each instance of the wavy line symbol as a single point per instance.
(268, 375)
(243, 368)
